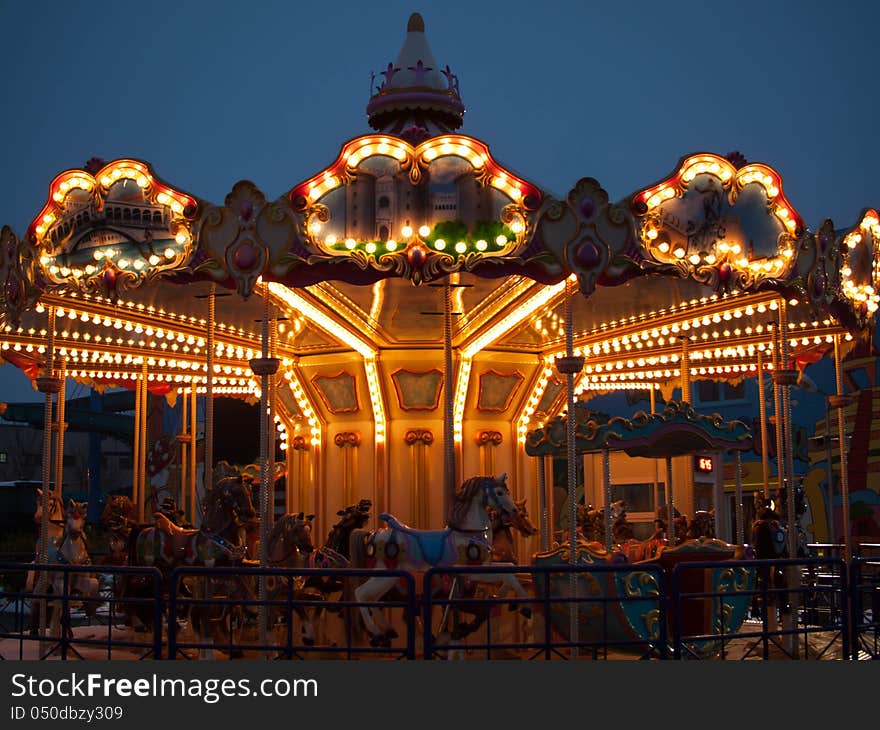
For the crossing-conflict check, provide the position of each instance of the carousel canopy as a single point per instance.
(710, 268)
(677, 431)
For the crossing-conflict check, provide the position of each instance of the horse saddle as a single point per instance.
(179, 535)
(432, 543)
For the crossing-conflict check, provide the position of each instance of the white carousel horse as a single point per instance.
(68, 548)
(467, 540)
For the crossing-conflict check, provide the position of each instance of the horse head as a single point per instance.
(56, 508)
(519, 519)
(75, 516)
(118, 512)
(291, 535)
(496, 495)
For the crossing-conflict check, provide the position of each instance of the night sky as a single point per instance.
(214, 92)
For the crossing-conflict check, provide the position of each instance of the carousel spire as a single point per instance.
(416, 98)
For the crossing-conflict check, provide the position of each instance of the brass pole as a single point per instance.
(777, 410)
(209, 391)
(653, 396)
(762, 417)
(142, 453)
(60, 428)
(670, 506)
(448, 395)
(841, 435)
(48, 385)
(184, 456)
(136, 445)
(194, 502)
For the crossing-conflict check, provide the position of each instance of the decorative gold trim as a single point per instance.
(487, 437)
(419, 435)
(347, 438)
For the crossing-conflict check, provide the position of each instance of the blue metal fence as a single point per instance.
(122, 595)
(222, 609)
(779, 609)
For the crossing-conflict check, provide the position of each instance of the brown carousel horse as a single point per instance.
(592, 523)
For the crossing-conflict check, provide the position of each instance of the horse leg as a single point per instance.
(372, 590)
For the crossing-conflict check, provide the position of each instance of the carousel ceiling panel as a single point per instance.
(496, 389)
(338, 392)
(418, 390)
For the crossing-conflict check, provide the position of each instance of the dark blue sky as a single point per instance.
(213, 92)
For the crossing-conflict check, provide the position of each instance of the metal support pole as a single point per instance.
(685, 371)
(264, 366)
(59, 426)
(569, 365)
(264, 469)
(656, 485)
(448, 395)
(777, 412)
(194, 502)
(788, 441)
(841, 435)
(762, 417)
(184, 456)
(670, 506)
(545, 512)
(48, 385)
(209, 387)
(740, 527)
(606, 494)
(270, 420)
(829, 470)
(136, 445)
(142, 453)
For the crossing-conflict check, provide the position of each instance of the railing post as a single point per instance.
(157, 613)
(675, 601)
(172, 615)
(427, 637)
(411, 618)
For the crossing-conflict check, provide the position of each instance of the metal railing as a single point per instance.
(48, 622)
(221, 611)
(865, 607)
(758, 609)
(747, 609)
(594, 622)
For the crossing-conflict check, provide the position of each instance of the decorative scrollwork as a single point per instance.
(418, 436)
(347, 438)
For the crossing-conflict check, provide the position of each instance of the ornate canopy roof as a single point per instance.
(708, 253)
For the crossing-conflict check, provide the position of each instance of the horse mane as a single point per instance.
(461, 499)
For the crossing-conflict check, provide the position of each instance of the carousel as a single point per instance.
(417, 313)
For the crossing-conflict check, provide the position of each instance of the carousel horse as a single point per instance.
(680, 523)
(592, 523)
(502, 526)
(769, 538)
(290, 546)
(71, 548)
(56, 529)
(465, 541)
(702, 525)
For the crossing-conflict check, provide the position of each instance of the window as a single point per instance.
(638, 497)
(4, 457)
(384, 202)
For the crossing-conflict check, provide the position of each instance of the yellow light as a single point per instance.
(424, 231)
(370, 247)
(482, 245)
(169, 253)
(501, 240)
(406, 231)
(439, 244)
(391, 245)
(461, 247)
(350, 243)
(330, 240)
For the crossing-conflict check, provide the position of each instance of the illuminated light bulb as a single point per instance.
(330, 240)
(392, 244)
(694, 259)
(501, 240)
(169, 253)
(406, 231)
(679, 253)
(517, 227)
(181, 237)
(98, 255)
(424, 231)
(664, 247)
(439, 244)
(482, 245)
(123, 263)
(371, 247)
(461, 247)
(350, 243)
